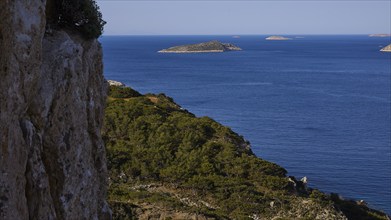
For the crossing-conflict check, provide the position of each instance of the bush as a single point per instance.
(80, 15)
(122, 92)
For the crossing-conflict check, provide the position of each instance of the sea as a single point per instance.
(319, 106)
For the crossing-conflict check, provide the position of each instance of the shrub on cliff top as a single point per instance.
(122, 92)
(81, 15)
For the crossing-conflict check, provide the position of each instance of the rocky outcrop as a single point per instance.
(207, 47)
(115, 83)
(386, 49)
(52, 95)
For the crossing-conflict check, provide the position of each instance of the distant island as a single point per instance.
(386, 49)
(379, 35)
(277, 38)
(206, 47)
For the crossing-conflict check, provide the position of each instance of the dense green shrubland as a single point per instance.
(151, 139)
(159, 153)
(122, 92)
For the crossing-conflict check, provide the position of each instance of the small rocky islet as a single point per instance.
(206, 47)
(277, 38)
(379, 35)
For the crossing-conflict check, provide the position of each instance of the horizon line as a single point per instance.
(242, 0)
(335, 34)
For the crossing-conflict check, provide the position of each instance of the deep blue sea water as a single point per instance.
(319, 106)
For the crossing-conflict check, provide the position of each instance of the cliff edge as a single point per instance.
(52, 95)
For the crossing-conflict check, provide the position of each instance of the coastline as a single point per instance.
(258, 82)
(301, 199)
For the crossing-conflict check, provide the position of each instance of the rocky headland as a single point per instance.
(166, 163)
(277, 38)
(206, 47)
(386, 49)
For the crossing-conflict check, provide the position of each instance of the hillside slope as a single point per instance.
(165, 163)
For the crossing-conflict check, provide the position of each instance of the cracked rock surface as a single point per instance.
(52, 96)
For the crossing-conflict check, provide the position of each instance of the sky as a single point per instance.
(234, 17)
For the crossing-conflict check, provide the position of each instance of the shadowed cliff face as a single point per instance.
(52, 95)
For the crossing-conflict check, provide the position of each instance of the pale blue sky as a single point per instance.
(246, 17)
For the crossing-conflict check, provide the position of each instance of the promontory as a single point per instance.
(206, 47)
(386, 49)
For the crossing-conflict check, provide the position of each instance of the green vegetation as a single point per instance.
(80, 15)
(161, 155)
(352, 210)
(122, 92)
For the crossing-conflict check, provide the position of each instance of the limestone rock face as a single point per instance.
(52, 95)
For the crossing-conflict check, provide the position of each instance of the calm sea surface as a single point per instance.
(317, 105)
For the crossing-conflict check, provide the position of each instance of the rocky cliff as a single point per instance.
(52, 95)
